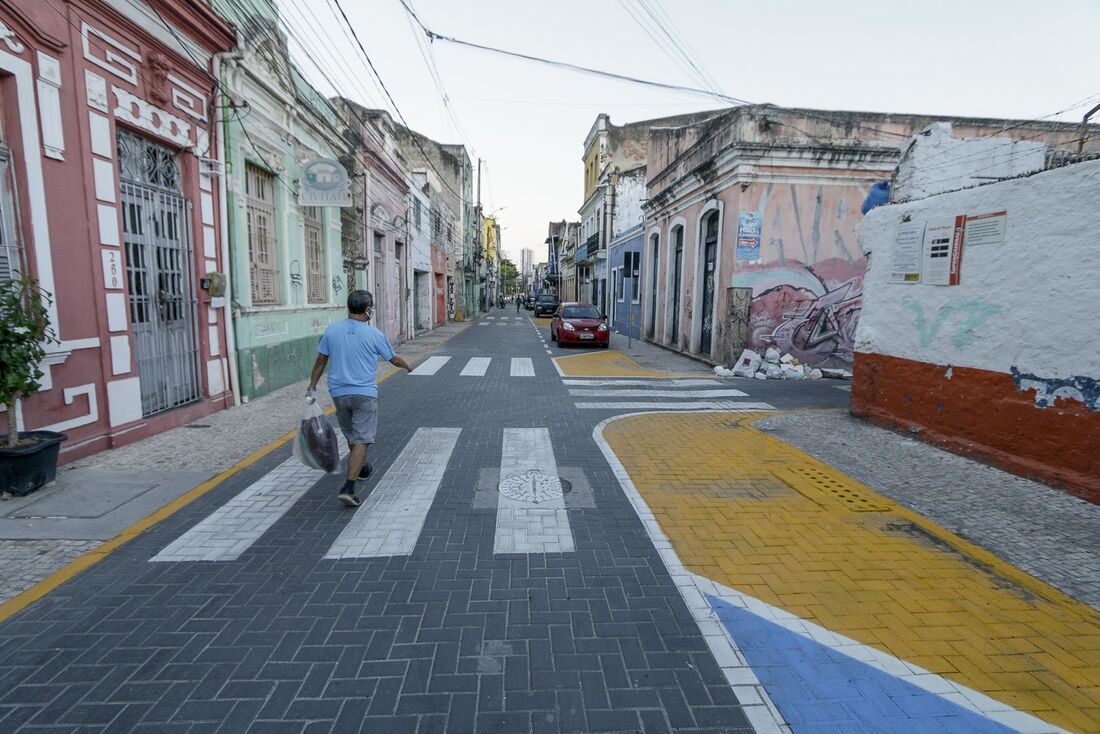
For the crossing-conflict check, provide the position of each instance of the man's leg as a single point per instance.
(357, 456)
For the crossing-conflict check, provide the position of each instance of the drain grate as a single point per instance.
(825, 489)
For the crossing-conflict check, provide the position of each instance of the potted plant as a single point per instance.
(28, 460)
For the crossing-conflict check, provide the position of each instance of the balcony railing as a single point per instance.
(592, 246)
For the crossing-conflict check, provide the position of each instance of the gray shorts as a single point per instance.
(358, 417)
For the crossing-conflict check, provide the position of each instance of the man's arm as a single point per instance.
(318, 370)
(399, 361)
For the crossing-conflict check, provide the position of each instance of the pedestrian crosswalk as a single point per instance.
(531, 511)
(476, 367)
(658, 394)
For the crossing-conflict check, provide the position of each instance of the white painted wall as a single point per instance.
(1028, 303)
(628, 202)
(935, 162)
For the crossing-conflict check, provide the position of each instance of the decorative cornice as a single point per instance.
(41, 37)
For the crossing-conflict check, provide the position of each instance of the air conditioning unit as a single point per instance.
(210, 166)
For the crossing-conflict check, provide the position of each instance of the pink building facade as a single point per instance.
(111, 189)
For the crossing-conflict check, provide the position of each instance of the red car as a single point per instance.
(579, 323)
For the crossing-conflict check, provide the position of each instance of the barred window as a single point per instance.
(11, 250)
(315, 255)
(262, 255)
(416, 213)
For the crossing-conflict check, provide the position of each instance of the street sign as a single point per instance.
(324, 182)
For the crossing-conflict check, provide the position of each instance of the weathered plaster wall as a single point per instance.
(936, 162)
(1004, 364)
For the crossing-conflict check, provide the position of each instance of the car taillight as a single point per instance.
(603, 327)
(568, 326)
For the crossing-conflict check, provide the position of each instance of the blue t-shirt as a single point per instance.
(353, 348)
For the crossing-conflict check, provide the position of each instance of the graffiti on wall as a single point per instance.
(809, 312)
(971, 313)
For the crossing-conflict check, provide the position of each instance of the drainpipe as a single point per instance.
(1085, 128)
(223, 205)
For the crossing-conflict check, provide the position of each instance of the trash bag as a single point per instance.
(748, 364)
(772, 355)
(315, 445)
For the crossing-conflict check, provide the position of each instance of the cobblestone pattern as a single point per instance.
(24, 563)
(451, 638)
(1050, 534)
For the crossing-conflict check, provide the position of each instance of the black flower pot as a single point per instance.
(25, 469)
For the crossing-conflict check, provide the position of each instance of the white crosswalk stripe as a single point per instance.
(391, 518)
(430, 366)
(664, 382)
(522, 367)
(476, 367)
(523, 526)
(682, 405)
(231, 529)
(617, 393)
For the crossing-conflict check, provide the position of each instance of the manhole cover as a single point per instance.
(532, 486)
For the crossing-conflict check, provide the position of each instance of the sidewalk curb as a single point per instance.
(82, 563)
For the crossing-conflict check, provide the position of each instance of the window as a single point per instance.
(315, 255)
(416, 213)
(11, 252)
(262, 256)
(618, 284)
(580, 312)
(377, 243)
(634, 272)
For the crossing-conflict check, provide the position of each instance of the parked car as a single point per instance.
(579, 323)
(529, 303)
(546, 303)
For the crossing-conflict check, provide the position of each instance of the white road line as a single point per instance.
(483, 323)
(490, 318)
(390, 519)
(430, 366)
(522, 367)
(665, 382)
(614, 393)
(476, 367)
(525, 527)
(230, 530)
(685, 405)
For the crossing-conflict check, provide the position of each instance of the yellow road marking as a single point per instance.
(83, 562)
(745, 509)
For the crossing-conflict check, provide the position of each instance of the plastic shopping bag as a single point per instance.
(315, 445)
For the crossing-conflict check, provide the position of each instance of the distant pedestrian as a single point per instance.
(518, 303)
(353, 347)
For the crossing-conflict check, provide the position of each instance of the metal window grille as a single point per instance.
(315, 255)
(416, 213)
(262, 255)
(11, 249)
(377, 244)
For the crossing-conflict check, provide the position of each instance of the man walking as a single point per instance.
(353, 347)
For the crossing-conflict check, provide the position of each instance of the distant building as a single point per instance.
(526, 262)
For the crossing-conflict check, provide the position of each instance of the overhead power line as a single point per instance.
(433, 36)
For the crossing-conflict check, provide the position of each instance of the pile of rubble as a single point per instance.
(776, 366)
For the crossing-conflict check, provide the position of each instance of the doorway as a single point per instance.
(160, 274)
(710, 258)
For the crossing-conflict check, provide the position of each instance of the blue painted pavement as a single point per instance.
(818, 689)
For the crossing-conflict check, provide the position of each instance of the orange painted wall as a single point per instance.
(982, 413)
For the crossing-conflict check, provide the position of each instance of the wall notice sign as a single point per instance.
(906, 262)
(748, 236)
(986, 229)
(943, 242)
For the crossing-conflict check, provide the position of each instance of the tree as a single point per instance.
(509, 277)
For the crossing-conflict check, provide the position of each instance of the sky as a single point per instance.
(527, 122)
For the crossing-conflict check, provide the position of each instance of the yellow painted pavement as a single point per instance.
(752, 512)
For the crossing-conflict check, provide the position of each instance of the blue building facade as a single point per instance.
(624, 298)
